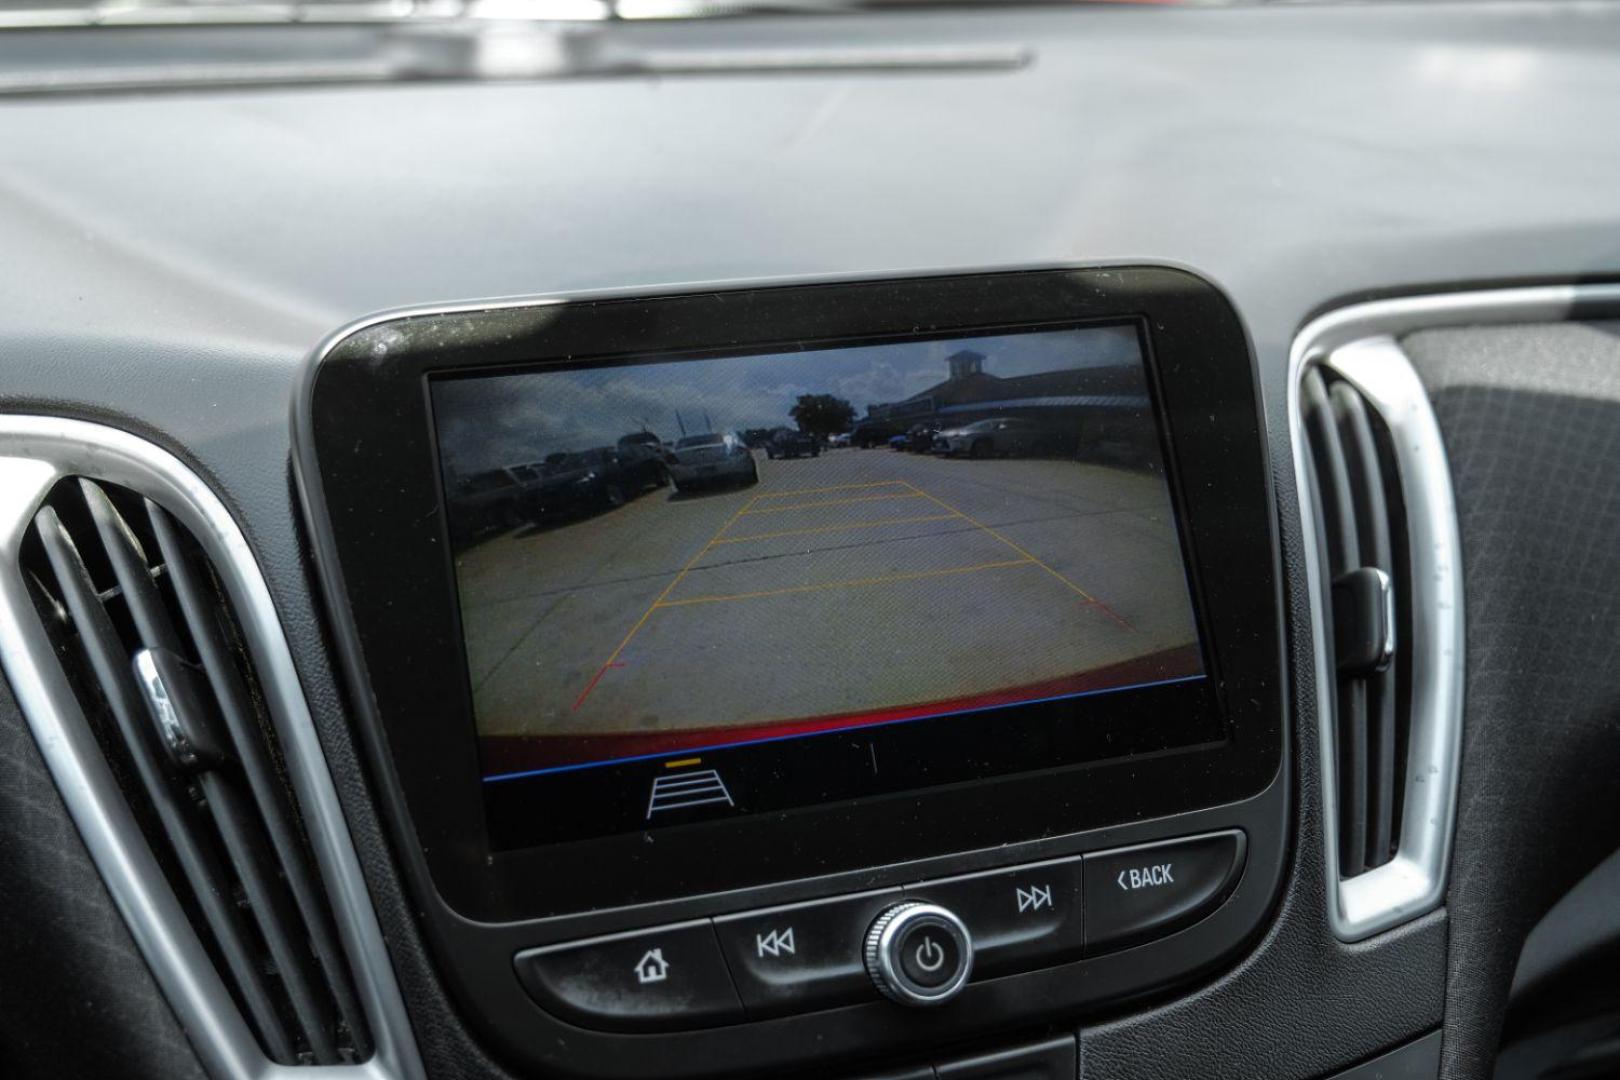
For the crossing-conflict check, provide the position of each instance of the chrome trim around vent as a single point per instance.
(36, 452)
(1414, 880)
(1360, 344)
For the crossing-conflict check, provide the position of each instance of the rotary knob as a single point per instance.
(919, 954)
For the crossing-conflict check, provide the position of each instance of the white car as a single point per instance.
(711, 458)
(987, 438)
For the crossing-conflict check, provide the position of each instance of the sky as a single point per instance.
(500, 420)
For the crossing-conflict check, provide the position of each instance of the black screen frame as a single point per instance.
(368, 465)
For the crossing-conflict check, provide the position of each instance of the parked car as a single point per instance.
(920, 439)
(1009, 435)
(602, 478)
(839, 440)
(491, 500)
(712, 458)
(643, 466)
(788, 443)
(874, 433)
(899, 442)
(645, 439)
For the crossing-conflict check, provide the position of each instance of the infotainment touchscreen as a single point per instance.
(693, 587)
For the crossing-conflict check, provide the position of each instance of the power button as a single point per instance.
(919, 954)
(929, 956)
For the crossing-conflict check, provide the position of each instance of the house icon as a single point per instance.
(652, 967)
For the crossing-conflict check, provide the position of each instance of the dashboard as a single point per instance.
(1056, 541)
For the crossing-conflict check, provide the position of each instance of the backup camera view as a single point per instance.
(670, 556)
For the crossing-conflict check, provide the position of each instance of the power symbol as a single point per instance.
(930, 955)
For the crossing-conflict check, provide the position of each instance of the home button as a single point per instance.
(670, 977)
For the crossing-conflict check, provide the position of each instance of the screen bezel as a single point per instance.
(365, 428)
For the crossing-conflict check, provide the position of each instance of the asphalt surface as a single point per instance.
(859, 580)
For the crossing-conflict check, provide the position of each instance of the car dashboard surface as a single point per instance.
(241, 282)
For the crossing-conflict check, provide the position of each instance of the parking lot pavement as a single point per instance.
(858, 580)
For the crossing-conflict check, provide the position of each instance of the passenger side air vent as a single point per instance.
(155, 655)
(1362, 548)
(1383, 561)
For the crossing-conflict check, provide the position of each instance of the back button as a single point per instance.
(1139, 893)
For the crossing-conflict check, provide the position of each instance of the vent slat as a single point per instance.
(240, 835)
(268, 793)
(1338, 500)
(1382, 770)
(1362, 474)
(1352, 720)
(191, 740)
(109, 661)
(1376, 549)
(133, 570)
(1339, 515)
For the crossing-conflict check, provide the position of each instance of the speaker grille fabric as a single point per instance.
(1531, 420)
(76, 998)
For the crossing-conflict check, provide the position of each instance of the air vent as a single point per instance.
(1361, 546)
(156, 658)
(1382, 558)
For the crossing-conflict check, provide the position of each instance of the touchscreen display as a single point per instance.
(697, 587)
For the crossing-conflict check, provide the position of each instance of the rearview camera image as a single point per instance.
(664, 557)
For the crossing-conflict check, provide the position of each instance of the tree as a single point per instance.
(822, 414)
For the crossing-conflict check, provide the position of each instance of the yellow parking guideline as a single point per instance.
(837, 528)
(645, 615)
(1026, 558)
(834, 487)
(850, 583)
(1004, 540)
(835, 502)
(1116, 616)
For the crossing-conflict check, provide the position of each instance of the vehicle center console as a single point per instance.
(823, 676)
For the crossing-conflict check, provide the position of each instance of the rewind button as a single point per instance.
(804, 956)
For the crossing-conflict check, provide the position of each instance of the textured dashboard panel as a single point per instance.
(1531, 419)
(76, 998)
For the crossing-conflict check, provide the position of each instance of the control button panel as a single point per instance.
(918, 946)
(1023, 918)
(671, 977)
(803, 956)
(1139, 893)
